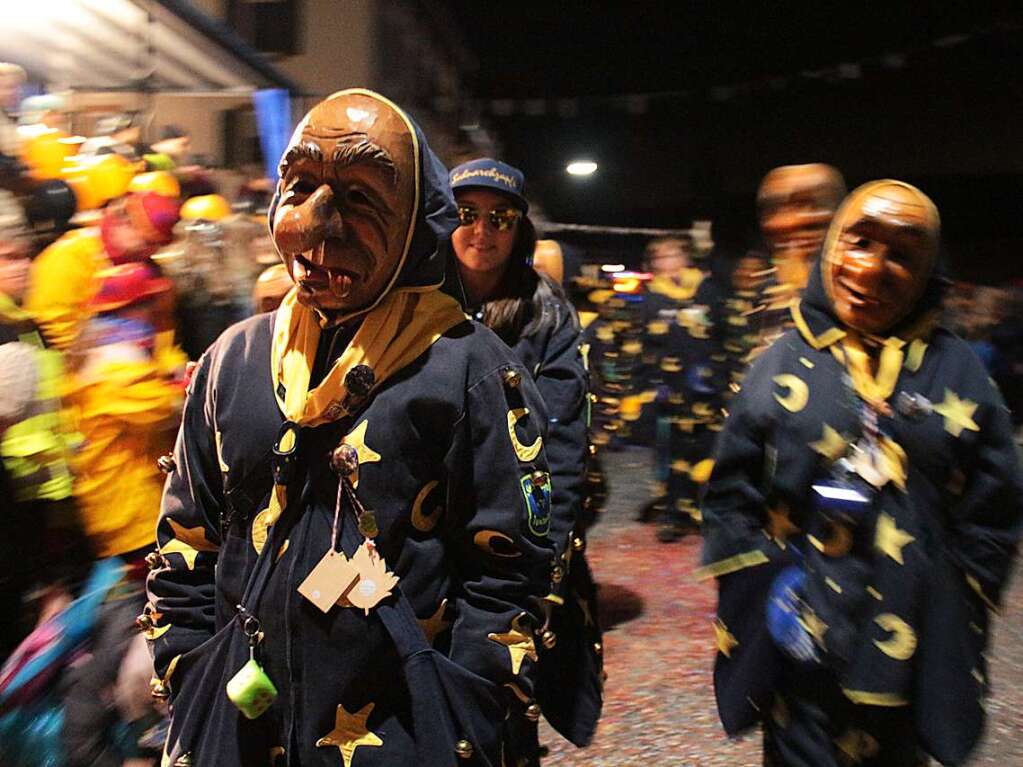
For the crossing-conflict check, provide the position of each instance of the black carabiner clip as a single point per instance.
(285, 458)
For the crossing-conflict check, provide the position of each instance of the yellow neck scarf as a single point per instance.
(397, 331)
(403, 325)
(681, 288)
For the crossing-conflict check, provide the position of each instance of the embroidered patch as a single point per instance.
(538, 502)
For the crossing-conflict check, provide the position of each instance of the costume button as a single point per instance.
(166, 463)
(512, 378)
(464, 749)
(549, 639)
(532, 712)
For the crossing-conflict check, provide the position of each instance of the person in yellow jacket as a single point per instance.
(126, 396)
(42, 550)
(63, 278)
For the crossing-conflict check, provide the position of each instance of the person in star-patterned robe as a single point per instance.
(887, 600)
(446, 488)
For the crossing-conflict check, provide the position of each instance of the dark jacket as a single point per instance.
(460, 524)
(900, 601)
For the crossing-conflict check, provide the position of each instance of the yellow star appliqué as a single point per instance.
(188, 542)
(958, 413)
(519, 643)
(832, 445)
(350, 732)
(357, 439)
(889, 539)
(724, 639)
(435, 624)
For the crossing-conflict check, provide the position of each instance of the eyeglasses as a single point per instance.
(502, 219)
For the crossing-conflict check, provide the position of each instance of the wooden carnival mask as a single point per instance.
(796, 203)
(879, 254)
(346, 201)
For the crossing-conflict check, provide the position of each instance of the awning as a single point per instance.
(131, 45)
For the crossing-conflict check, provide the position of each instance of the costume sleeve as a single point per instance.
(742, 556)
(562, 382)
(987, 520)
(181, 590)
(499, 538)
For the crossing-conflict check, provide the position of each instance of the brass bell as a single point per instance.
(598, 648)
(538, 478)
(359, 381)
(533, 712)
(549, 639)
(578, 544)
(344, 460)
(166, 463)
(593, 449)
(464, 749)
(158, 689)
(145, 622)
(557, 573)
(185, 760)
(512, 378)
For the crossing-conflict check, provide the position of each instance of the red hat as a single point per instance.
(127, 284)
(151, 215)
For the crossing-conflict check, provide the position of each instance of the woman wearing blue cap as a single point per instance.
(494, 278)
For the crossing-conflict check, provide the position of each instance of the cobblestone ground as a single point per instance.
(659, 707)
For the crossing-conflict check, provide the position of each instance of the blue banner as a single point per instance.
(273, 119)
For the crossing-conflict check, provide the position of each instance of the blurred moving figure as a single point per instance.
(43, 553)
(127, 393)
(211, 268)
(865, 511)
(796, 203)
(12, 77)
(63, 278)
(678, 317)
(494, 245)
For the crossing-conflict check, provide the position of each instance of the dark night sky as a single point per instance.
(733, 91)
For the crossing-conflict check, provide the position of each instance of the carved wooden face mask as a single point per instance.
(347, 201)
(796, 203)
(879, 254)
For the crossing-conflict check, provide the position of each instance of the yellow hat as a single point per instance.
(208, 207)
(97, 179)
(44, 151)
(159, 181)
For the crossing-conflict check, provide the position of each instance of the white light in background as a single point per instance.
(581, 168)
(612, 268)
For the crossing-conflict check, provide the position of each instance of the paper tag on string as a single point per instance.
(331, 579)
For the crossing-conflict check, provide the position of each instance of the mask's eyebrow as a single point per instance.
(307, 150)
(363, 151)
(904, 228)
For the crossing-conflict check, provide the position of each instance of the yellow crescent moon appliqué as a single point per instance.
(902, 643)
(524, 452)
(485, 540)
(839, 541)
(424, 522)
(799, 392)
(260, 526)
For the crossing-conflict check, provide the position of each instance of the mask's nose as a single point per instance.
(304, 227)
(865, 270)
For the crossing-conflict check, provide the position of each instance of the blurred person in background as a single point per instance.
(495, 280)
(12, 77)
(864, 511)
(678, 317)
(126, 395)
(795, 204)
(63, 277)
(42, 548)
(212, 271)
